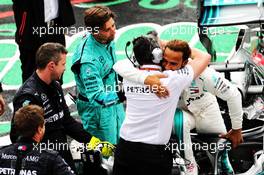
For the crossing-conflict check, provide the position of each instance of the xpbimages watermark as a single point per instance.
(59, 146)
(192, 30)
(55, 30)
(211, 147)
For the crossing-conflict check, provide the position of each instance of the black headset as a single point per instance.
(131, 58)
(154, 50)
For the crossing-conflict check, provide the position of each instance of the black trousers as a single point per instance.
(28, 56)
(134, 158)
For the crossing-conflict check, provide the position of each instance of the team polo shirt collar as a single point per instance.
(100, 44)
(151, 67)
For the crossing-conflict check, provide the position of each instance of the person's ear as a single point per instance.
(39, 133)
(184, 63)
(51, 65)
(40, 130)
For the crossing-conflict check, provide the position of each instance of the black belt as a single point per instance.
(141, 145)
(80, 97)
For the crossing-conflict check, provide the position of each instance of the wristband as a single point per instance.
(1, 89)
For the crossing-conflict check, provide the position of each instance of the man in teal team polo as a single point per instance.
(98, 101)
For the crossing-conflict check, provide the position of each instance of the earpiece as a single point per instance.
(146, 50)
(157, 55)
(134, 60)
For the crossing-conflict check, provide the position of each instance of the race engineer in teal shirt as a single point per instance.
(99, 100)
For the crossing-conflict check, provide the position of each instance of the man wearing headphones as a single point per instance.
(199, 107)
(148, 123)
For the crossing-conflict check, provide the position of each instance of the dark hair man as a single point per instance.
(148, 123)
(25, 156)
(98, 101)
(43, 89)
(198, 105)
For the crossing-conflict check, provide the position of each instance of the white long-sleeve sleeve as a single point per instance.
(216, 84)
(127, 70)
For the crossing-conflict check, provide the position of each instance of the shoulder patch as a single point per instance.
(101, 59)
(43, 96)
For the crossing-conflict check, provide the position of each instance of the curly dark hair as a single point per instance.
(142, 48)
(180, 46)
